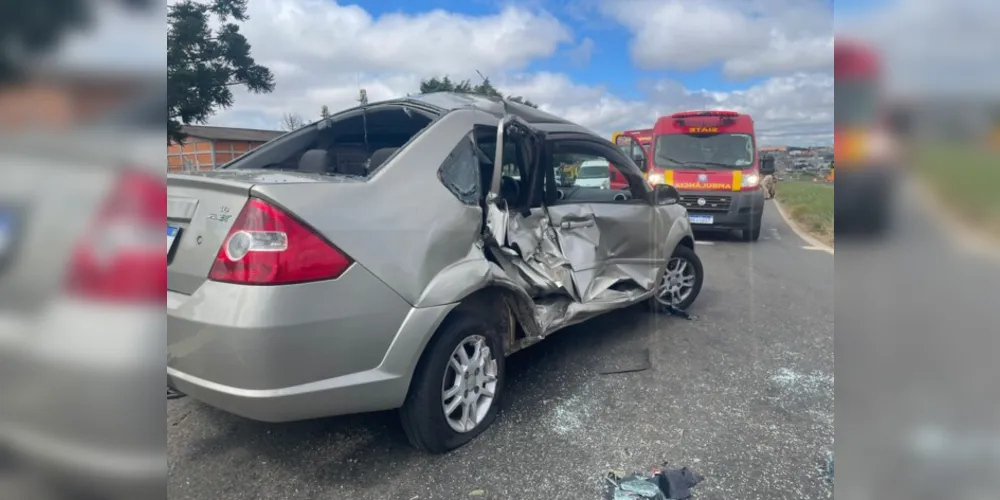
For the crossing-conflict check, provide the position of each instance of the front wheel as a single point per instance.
(456, 388)
(752, 232)
(681, 283)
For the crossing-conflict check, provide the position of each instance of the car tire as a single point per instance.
(688, 255)
(423, 413)
(751, 233)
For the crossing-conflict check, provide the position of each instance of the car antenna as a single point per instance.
(363, 99)
(503, 102)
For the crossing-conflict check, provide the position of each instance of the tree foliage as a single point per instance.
(203, 65)
(486, 88)
(291, 121)
(324, 112)
(36, 28)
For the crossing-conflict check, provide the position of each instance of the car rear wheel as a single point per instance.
(681, 283)
(456, 389)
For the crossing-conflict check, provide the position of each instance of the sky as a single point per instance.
(607, 64)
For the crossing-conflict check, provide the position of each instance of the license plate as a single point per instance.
(171, 236)
(701, 219)
(8, 231)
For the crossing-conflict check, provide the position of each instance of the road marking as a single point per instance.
(813, 248)
(704, 242)
(774, 232)
(800, 233)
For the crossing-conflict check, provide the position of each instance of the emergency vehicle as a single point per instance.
(863, 141)
(711, 158)
(629, 142)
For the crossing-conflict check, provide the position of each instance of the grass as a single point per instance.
(966, 177)
(810, 204)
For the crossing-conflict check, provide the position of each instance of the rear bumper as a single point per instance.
(80, 406)
(279, 354)
(381, 388)
(729, 210)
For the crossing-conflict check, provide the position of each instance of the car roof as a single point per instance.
(595, 163)
(449, 101)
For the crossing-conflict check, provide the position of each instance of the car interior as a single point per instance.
(353, 146)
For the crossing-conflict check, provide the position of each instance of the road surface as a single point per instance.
(743, 394)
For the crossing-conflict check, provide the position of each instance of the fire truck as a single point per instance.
(864, 145)
(711, 158)
(628, 141)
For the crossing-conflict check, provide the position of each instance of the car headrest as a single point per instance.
(314, 161)
(379, 157)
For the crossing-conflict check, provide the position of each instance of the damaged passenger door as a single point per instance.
(608, 236)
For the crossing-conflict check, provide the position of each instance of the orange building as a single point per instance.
(210, 147)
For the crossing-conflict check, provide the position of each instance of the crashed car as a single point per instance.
(310, 278)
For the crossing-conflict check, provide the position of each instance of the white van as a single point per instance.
(593, 173)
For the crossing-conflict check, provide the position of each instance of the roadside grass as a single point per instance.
(810, 204)
(965, 178)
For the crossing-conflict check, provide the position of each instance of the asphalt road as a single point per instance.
(743, 394)
(916, 352)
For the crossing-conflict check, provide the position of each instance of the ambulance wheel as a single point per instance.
(751, 233)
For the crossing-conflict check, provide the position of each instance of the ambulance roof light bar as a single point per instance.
(691, 114)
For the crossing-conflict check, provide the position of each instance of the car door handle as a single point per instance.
(575, 225)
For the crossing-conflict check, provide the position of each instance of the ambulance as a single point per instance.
(711, 158)
(630, 141)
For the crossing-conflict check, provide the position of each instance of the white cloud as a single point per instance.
(748, 37)
(581, 54)
(322, 53)
(931, 46)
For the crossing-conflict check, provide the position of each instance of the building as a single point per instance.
(210, 147)
(57, 99)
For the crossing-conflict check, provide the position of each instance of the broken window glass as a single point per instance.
(460, 172)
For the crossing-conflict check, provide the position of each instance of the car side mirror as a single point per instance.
(665, 194)
(639, 159)
(767, 165)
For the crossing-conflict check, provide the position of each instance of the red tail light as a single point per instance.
(121, 257)
(266, 246)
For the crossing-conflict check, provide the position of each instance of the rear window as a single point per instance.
(353, 145)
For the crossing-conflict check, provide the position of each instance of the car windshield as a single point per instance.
(592, 172)
(855, 103)
(704, 150)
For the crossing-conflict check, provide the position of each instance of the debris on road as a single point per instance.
(829, 466)
(665, 484)
(174, 394)
(673, 311)
(477, 493)
(639, 363)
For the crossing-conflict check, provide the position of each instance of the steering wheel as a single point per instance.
(510, 190)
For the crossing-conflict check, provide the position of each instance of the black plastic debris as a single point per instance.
(174, 394)
(636, 363)
(673, 311)
(665, 484)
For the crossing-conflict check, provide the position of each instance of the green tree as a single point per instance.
(324, 112)
(203, 65)
(486, 88)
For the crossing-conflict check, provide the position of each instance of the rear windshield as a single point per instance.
(592, 172)
(705, 150)
(353, 145)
